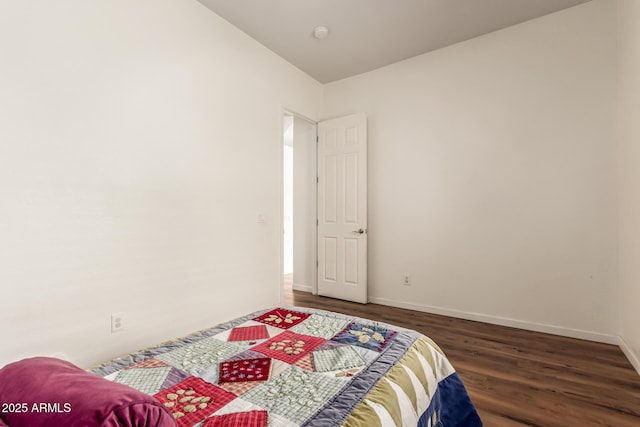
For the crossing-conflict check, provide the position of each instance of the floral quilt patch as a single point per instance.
(295, 394)
(320, 326)
(288, 346)
(369, 337)
(245, 370)
(192, 400)
(282, 318)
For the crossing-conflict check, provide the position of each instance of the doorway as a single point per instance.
(299, 203)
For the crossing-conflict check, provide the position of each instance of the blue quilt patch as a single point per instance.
(366, 336)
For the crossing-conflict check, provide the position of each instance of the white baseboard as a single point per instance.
(503, 321)
(633, 358)
(303, 288)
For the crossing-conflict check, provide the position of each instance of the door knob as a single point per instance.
(359, 231)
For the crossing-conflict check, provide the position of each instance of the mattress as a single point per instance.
(293, 366)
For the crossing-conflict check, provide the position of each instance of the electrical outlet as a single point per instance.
(406, 280)
(117, 322)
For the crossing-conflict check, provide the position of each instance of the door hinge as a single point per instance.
(317, 139)
(317, 180)
(317, 222)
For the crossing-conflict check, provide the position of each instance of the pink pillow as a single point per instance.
(50, 392)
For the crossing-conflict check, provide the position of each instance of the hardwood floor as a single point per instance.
(517, 377)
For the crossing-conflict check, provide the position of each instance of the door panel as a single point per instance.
(330, 259)
(329, 192)
(342, 208)
(351, 188)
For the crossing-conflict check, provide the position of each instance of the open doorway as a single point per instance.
(299, 204)
(287, 208)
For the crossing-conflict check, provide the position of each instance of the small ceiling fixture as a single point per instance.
(320, 32)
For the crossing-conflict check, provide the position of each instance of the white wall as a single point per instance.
(304, 204)
(629, 137)
(492, 175)
(139, 141)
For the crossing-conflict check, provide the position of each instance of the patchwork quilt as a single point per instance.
(293, 366)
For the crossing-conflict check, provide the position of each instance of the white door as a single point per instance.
(342, 208)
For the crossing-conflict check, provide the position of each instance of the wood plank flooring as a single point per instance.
(516, 377)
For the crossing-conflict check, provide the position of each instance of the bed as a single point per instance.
(283, 367)
(293, 366)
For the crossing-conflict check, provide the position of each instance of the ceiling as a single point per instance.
(368, 34)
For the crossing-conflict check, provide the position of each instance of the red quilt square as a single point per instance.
(193, 400)
(232, 371)
(282, 318)
(288, 346)
(249, 333)
(306, 363)
(239, 419)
